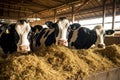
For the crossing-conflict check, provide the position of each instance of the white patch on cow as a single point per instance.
(74, 37)
(43, 39)
(23, 31)
(44, 26)
(63, 26)
(100, 35)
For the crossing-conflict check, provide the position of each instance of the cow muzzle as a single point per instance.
(62, 42)
(24, 48)
(101, 46)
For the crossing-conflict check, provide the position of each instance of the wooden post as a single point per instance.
(114, 14)
(36, 18)
(19, 13)
(73, 18)
(104, 12)
(55, 15)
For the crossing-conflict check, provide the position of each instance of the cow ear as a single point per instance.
(7, 31)
(109, 32)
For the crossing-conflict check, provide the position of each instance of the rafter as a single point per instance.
(15, 10)
(68, 4)
(59, 1)
(38, 4)
(27, 6)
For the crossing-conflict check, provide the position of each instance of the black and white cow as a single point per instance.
(49, 24)
(84, 38)
(55, 35)
(14, 37)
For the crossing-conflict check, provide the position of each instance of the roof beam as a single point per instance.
(14, 10)
(58, 1)
(24, 5)
(34, 2)
(66, 4)
(82, 5)
(86, 11)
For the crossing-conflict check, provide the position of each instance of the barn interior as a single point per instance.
(66, 64)
(52, 9)
(40, 11)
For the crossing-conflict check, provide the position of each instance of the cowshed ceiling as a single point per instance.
(15, 9)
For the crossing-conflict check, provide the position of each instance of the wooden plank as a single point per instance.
(73, 17)
(15, 10)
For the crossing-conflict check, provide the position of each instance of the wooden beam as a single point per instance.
(86, 11)
(15, 10)
(66, 4)
(28, 6)
(38, 4)
(59, 1)
(55, 15)
(73, 17)
(82, 5)
(114, 13)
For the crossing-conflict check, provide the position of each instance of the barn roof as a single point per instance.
(15, 9)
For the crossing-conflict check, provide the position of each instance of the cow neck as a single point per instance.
(94, 34)
(75, 29)
(56, 30)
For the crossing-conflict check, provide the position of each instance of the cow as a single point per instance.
(15, 37)
(83, 38)
(54, 35)
(49, 24)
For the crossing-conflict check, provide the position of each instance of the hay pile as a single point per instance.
(59, 63)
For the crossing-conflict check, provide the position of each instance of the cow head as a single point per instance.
(63, 24)
(100, 36)
(23, 28)
(49, 24)
(74, 26)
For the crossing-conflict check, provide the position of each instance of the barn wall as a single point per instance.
(112, 40)
(41, 22)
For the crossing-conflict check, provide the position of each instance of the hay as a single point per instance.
(59, 63)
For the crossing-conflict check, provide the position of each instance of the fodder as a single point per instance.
(59, 63)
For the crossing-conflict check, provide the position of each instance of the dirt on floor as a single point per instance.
(59, 63)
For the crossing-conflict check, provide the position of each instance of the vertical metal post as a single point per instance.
(114, 14)
(104, 13)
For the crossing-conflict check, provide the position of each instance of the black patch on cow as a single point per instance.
(49, 24)
(36, 27)
(38, 37)
(50, 38)
(74, 26)
(109, 32)
(22, 21)
(85, 38)
(62, 18)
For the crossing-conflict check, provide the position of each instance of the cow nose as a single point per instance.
(101, 46)
(62, 42)
(24, 48)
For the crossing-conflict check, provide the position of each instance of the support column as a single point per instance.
(55, 15)
(73, 17)
(114, 14)
(104, 13)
